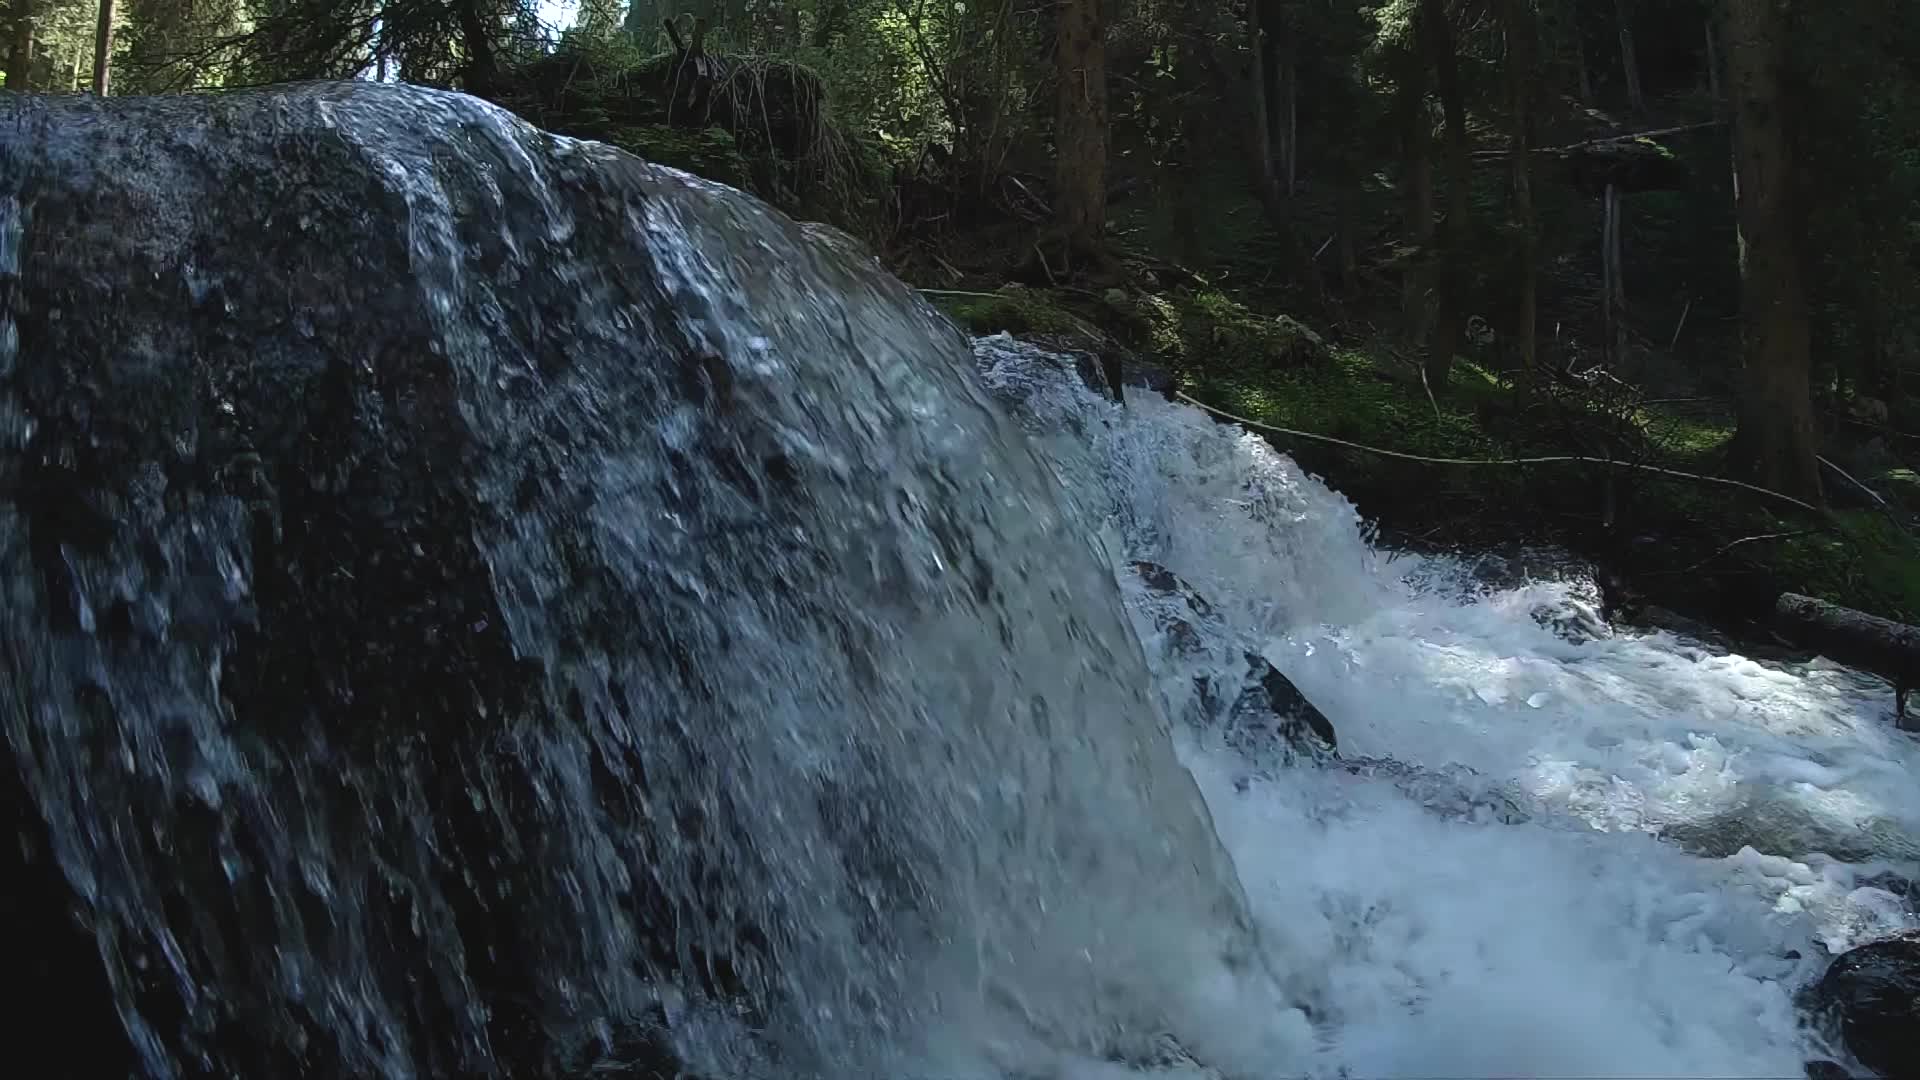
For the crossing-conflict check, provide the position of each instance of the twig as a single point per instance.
(1849, 478)
(1323, 247)
(1557, 459)
(1678, 401)
(1744, 540)
(1681, 325)
(1428, 387)
(1044, 268)
(963, 292)
(1603, 140)
(1881, 428)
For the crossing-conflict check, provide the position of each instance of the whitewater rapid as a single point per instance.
(1622, 851)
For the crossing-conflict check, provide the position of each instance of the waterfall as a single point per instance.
(475, 603)
(469, 592)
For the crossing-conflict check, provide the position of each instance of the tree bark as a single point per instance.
(1080, 127)
(1583, 77)
(20, 56)
(1416, 149)
(1775, 442)
(1437, 32)
(1629, 63)
(1279, 108)
(1345, 212)
(103, 49)
(1713, 64)
(482, 69)
(1293, 127)
(1522, 37)
(1289, 124)
(1266, 175)
(1613, 293)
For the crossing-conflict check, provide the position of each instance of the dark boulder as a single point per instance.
(1272, 708)
(1871, 996)
(1257, 708)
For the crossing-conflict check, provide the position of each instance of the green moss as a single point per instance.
(1687, 435)
(1348, 398)
(1020, 311)
(1220, 334)
(709, 152)
(1866, 562)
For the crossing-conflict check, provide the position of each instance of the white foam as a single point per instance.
(1682, 872)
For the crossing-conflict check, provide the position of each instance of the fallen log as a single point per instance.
(1882, 646)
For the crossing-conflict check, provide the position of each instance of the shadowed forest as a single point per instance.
(1638, 237)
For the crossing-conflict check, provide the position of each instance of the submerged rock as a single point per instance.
(1250, 702)
(1453, 791)
(1872, 995)
(1272, 707)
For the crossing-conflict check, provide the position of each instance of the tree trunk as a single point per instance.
(1345, 226)
(1774, 444)
(1855, 638)
(1289, 124)
(103, 49)
(482, 70)
(1080, 127)
(1266, 175)
(1281, 118)
(1268, 121)
(1522, 36)
(1416, 148)
(1437, 33)
(1583, 76)
(1713, 64)
(20, 56)
(1629, 65)
(1612, 291)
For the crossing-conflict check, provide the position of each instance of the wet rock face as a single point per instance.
(241, 502)
(1872, 995)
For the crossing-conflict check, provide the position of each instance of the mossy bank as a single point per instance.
(1706, 550)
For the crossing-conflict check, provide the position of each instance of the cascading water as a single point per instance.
(1501, 906)
(467, 592)
(470, 596)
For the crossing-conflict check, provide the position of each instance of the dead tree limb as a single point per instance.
(1855, 638)
(1603, 140)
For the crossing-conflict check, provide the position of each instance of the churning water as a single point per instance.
(1621, 852)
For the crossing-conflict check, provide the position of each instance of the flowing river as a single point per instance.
(1623, 851)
